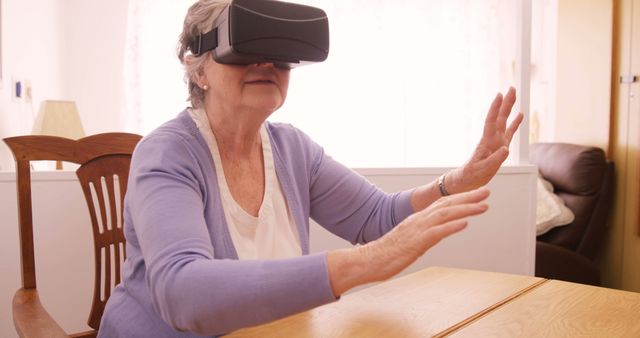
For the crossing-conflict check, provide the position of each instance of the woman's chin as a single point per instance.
(269, 104)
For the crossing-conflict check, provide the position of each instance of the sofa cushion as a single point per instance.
(573, 169)
(579, 174)
(551, 211)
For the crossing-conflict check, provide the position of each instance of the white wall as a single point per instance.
(32, 50)
(95, 33)
(63, 260)
(66, 50)
(544, 27)
(584, 71)
(502, 240)
(571, 71)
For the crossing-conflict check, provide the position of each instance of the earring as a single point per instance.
(205, 87)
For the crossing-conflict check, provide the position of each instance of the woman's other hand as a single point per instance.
(392, 253)
(492, 150)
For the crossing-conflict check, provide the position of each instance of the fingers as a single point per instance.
(513, 127)
(438, 233)
(419, 232)
(448, 214)
(499, 112)
(507, 103)
(473, 196)
(501, 106)
(505, 109)
(441, 232)
(455, 207)
(494, 109)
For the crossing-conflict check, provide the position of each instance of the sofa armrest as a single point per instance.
(555, 262)
(31, 319)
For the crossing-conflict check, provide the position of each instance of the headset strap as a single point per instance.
(205, 42)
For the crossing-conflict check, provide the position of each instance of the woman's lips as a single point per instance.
(263, 77)
(260, 82)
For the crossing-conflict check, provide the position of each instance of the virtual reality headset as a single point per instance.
(267, 31)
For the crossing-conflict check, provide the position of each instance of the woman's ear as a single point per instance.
(199, 77)
(201, 80)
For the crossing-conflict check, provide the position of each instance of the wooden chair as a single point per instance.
(104, 161)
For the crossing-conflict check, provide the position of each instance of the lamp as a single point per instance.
(58, 118)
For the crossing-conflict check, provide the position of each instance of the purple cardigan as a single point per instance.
(182, 277)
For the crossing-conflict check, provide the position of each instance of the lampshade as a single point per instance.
(58, 118)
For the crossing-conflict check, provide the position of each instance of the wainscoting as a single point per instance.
(501, 240)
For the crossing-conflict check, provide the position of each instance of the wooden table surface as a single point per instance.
(446, 302)
(561, 309)
(431, 302)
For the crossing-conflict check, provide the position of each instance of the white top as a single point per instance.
(273, 233)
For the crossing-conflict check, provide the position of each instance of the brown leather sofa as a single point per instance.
(584, 179)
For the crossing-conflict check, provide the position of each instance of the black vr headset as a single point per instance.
(266, 31)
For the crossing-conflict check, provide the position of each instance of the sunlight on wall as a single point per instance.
(407, 82)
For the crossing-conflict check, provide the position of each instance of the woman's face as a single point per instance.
(259, 86)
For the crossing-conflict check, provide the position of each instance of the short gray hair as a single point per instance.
(199, 19)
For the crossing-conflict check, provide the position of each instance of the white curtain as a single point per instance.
(155, 88)
(407, 82)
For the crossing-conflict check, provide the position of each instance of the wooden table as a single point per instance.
(439, 302)
(561, 309)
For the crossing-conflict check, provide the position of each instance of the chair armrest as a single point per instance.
(556, 262)
(31, 319)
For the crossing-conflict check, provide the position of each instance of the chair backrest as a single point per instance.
(584, 179)
(103, 173)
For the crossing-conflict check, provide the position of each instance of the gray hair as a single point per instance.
(199, 19)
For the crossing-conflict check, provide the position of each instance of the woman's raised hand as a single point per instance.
(390, 254)
(491, 151)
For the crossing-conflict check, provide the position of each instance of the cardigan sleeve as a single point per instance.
(348, 205)
(191, 289)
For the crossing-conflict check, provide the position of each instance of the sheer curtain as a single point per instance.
(155, 88)
(407, 82)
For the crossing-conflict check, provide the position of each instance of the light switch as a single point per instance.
(18, 89)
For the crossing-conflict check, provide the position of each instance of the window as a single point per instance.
(407, 83)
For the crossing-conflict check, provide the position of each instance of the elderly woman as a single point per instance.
(219, 200)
